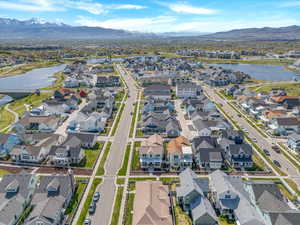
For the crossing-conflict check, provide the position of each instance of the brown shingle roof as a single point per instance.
(175, 145)
(151, 204)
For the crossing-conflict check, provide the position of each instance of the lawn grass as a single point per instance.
(167, 180)
(293, 185)
(101, 170)
(128, 215)
(76, 197)
(88, 201)
(124, 168)
(292, 89)
(3, 172)
(286, 193)
(6, 118)
(181, 217)
(133, 180)
(118, 120)
(132, 125)
(117, 206)
(91, 155)
(120, 181)
(135, 163)
(226, 221)
(119, 96)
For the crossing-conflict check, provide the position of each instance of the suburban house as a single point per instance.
(37, 124)
(187, 90)
(294, 142)
(231, 199)
(238, 155)
(151, 204)
(283, 126)
(151, 152)
(108, 81)
(180, 154)
(192, 197)
(207, 152)
(270, 203)
(158, 91)
(35, 148)
(16, 191)
(87, 140)
(66, 155)
(7, 143)
(51, 197)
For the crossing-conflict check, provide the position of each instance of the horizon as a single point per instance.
(154, 16)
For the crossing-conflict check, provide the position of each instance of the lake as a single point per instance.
(262, 72)
(37, 78)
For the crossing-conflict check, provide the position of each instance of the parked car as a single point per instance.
(276, 163)
(92, 208)
(276, 148)
(266, 152)
(254, 139)
(96, 196)
(239, 115)
(87, 222)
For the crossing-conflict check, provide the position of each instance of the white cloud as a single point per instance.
(185, 8)
(290, 4)
(90, 6)
(127, 6)
(147, 24)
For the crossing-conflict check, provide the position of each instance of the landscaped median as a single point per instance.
(101, 170)
(135, 163)
(132, 125)
(88, 201)
(124, 168)
(128, 215)
(119, 114)
(117, 206)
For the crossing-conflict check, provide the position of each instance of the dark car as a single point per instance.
(276, 148)
(267, 152)
(92, 208)
(96, 196)
(276, 163)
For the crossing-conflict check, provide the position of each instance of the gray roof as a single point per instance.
(291, 217)
(202, 209)
(12, 202)
(240, 148)
(49, 203)
(84, 137)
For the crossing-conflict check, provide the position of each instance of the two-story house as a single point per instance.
(180, 154)
(187, 90)
(7, 143)
(151, 152)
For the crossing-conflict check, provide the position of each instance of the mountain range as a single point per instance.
(37, 29)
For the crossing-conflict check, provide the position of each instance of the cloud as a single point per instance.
(127, 6)
(185, 8)
(90, 6)
(147, 24)
(29, 5)
(290, 4)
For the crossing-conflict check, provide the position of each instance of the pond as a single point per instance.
(263, 72)
(37, 78)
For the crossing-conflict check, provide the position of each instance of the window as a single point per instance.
(227, 196)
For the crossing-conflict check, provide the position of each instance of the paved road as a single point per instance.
(107, 188)
(180, 117)
(262, 142)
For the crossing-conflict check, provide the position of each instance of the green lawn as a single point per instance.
(118, 120)
(128, 210)
(293, 185)
(3, 172)
(181, 217)
(101, 170)
(88, 201)
(119, 96)
(135, 163)
(120, 181)
(292, 89)
(6, 118)
(226, 221)
(124, 168)
(91, 156)
(167, 180)
(132, 125)
(77, 196)
(117, 206)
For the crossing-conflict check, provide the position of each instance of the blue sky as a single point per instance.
(159, 15)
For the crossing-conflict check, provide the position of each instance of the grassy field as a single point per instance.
(3, 172)
(91, 156)
(88, 201)
(117, 206)
(6, 118)
(120, 181)
(226, 221)
(9, 71)
(292, 89)
(77, 196)
(118, 120)
(135, 163)
(132, 125)
(124, 168)
(101, 169)
(128, 210)
(181, 217)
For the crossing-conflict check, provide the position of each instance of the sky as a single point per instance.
(158, 15)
